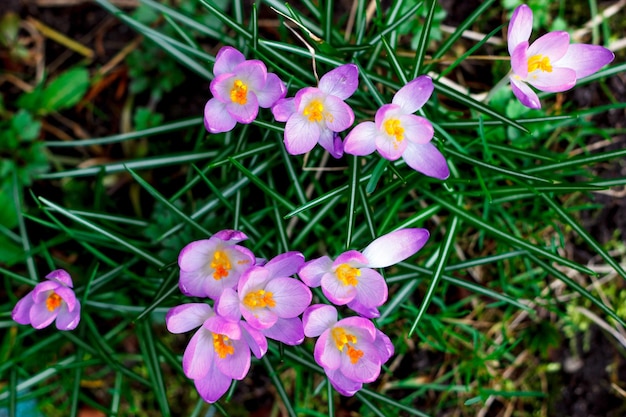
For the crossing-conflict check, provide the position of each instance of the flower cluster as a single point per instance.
(550, 63)
(254, 300)
(50, 300)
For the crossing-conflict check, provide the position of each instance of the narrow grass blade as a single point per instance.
(424, 40)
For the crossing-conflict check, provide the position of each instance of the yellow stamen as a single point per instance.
(354, 354)
(315, 111)
(53, 301)
(222, 345)
(394, 128)
(239, 92)
(221, 265)
(342, 338)
(259, 299)
(347, 274)
(539, 62)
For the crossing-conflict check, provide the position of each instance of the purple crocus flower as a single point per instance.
(218, 352)
(50, 300)
(269, 299)
(209, 266)
(351, 280)
(350, 350)
(239, 88)
(551, 63)
(317, 114)
(396, 132)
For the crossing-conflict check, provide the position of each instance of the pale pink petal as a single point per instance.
(254, 279)
(236, 365)
(229, 235)
(213, 385)
(331, 141)
(519, 60)
(338, 114)
(273, 91)
(259, 318)
(362, 139)
(384, 346)
(301, 135)
(43, 290)
(219, 325)
(366, 369)
(21, 311)
(318, 318)
(253, 73)
(336, 291)
(283, 109)
(40, 316)
(520, 27)
(414, 94)
(553, 45)
(292, 297)
(216, 118)
(352, 257)
(61, 276)
(227, 305)
(285, 264)
(306, 95)
(559, 79)
(371, 291)
(524, 93)
(312, 271)
(244, 113)
(389, 146)
(326, 353)
(67, 294)
(363, 328)
(255, 339)
(221, 87)
(68, 320)
(342, 384)
(395, 247)
(226, 60)
(198, 355)
(185, 317)
(585, 59)
(361, 310)
(341, 82)
(427, 159)
(417, 129)
(287, 331)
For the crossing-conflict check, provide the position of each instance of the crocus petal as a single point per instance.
(326, 353)
(229, 235)
(363, 328)
(342, 384)
(283, 109)
(384, 346)
(40, 316)
(285, 264)
(292, 297)
(216, 119)
(361, 310)
(62, 276)
(198, 355)
(273, 91)
(341, 82)
(395, 247)
(340, 115)
(221, 86)
(553, 45)
(259, 318)
(21, 311)
(524, 93)
(253, 72)
(414, 94)
(362, 139)
(301, 135)
(389, 147)
(213, 385)
(352, 257)
(227, 305)
(426, 159)
(371, 291)
(244, 113)
(287, 331)
(519, 60)
(254, 279)
(520, 27)
(255, 339)
(312, 271)
(336, 291)
(236, 365)
(68, 296)
(585, 59)
(185, 317)
(416, 128)
(367, 367)
(317, 318)
(560, 79)
(68, 320)
(43, 289)
(226, 60)
(219, 325)
(331, 141)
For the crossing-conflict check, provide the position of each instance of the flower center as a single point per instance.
(539, 62)
(347, 274)
(53, 301)
(259, 299)
(314, 111)
(344, 339)
(239, 92)
(221, 265)
(394, 128)
(223, 346)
